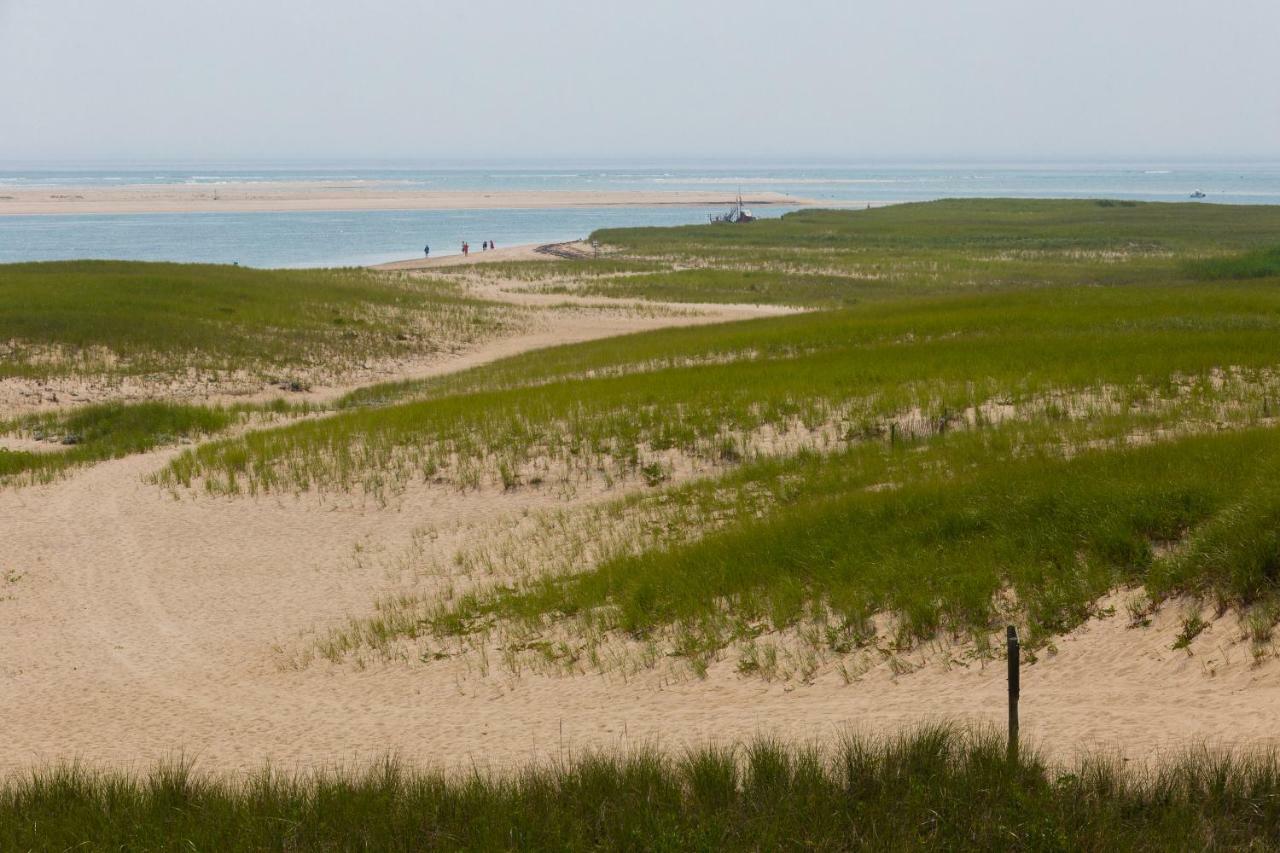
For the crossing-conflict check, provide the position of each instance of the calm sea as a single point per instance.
(339, 239)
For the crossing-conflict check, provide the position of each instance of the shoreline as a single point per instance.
(521, 252)
(331, 197)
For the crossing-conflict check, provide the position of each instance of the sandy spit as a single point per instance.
(280, 197)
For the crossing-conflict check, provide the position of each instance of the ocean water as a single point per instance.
(313, 239)
(337, 239)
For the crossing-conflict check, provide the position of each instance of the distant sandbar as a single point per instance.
(303, 196)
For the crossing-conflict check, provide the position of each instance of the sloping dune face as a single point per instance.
(931, 421)
(141, 626)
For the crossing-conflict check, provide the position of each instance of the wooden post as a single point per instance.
(1012, 648)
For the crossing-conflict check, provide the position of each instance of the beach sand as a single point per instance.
(529, 252)
(140, 627)
(298, 196)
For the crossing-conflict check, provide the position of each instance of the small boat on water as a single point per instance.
(737, 213)
(1198, 194)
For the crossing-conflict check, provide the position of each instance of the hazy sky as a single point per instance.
(831, 79)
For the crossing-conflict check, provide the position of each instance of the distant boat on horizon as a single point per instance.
(1198, 194)
(737, 213)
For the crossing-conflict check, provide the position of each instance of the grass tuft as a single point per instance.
(935, 788)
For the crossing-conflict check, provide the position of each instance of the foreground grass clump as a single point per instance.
(106, 431)
(935, 789)
(114, 318)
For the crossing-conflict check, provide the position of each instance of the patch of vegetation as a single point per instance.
(750, 287)
(972, 515)
(106, 431)
(988, 250)
(1264, 263)
(935, 789)
(1068, 229)
(115, 318)
(928, 248)
(1192, 626)
(540, 270)
(615, 403)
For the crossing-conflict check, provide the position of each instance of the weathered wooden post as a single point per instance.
(1012, 648)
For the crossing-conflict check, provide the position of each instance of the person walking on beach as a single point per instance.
(465, 247)
(426, 251)
(492, 245)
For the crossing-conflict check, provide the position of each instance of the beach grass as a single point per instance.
(946, 535)
(1264, 263)
(102, 431)
(616, 403)
(832, 259)
(732, 286)
(161, 320)
(1072, 230)
(936, 788)
(980, 437)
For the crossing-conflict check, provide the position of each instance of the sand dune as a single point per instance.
(137, 626)
(140, 626)
(278, 197)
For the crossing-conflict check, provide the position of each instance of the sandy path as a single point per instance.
(600, 318)
(283, 197)
(140, 626)
(136, 626)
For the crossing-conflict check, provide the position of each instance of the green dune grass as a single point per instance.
(933, 789)
(118, 318)
(969, 225)
(1264, 263)
(967, 517)
(754, 287)
(105, 431)
(690, 389)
